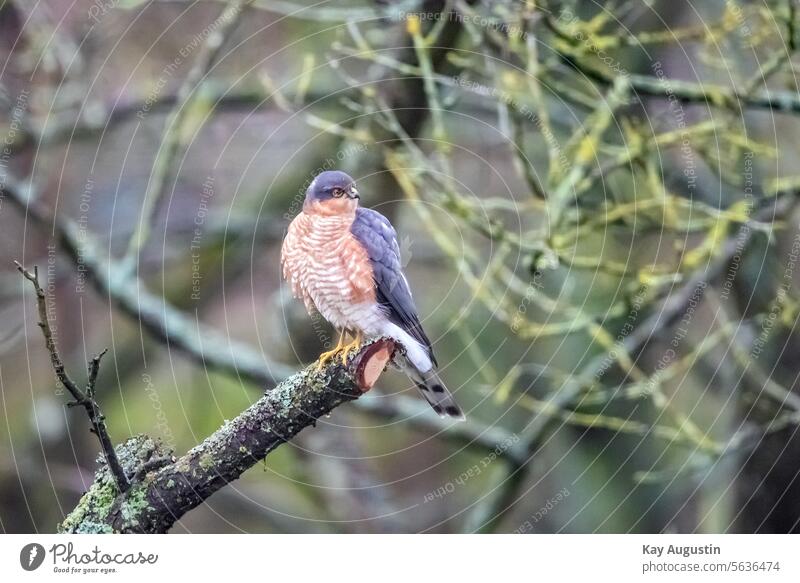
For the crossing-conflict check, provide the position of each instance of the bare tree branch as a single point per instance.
(69, 125)
(684, 91)
(83, 399)
(165, 488)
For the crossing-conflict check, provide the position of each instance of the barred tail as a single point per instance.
(413, 359)
(437, 395)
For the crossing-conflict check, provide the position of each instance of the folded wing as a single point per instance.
(376, 234)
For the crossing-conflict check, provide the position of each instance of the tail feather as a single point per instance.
(412, 358)
(439, 397)
(436, 393)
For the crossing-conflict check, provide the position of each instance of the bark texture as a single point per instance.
(164, 488)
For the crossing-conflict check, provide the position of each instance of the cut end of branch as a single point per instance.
(370, 363)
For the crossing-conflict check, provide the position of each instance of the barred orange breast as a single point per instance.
(327, 267)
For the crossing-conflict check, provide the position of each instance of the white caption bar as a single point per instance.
(355, 558)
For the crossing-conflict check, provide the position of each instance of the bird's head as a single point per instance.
(331, 193)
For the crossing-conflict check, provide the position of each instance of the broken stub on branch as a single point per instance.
(370, 363)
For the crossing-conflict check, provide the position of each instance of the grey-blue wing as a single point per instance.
(376, 234)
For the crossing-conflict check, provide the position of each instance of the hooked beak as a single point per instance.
(352, 193)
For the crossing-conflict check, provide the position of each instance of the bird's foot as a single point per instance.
(341, 351)
(351, 348)
(328, 356)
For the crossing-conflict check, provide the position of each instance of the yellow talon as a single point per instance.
(326, 357)
(352, 347)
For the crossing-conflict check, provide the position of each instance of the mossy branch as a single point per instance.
(164, 488)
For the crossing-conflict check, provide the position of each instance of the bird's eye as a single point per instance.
(338, 192)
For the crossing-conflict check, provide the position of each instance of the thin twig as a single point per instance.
(94, 368)
(82, 399)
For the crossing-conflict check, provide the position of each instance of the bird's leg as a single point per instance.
(325, 357)
(352, 346)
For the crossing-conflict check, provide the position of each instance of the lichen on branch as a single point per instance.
(162, 493)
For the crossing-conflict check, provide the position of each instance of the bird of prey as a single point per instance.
(344, 262)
